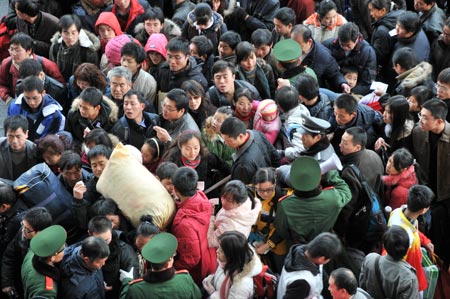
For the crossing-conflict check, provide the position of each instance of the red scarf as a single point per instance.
(192, 164)
(225, 287)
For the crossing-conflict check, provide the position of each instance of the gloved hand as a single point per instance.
(124, 274)
(240, 13)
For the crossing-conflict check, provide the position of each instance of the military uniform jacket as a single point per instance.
(34, 283)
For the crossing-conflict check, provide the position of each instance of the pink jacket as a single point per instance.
(269, 128)
(398, 187)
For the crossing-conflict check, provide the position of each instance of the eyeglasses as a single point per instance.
(441, 87)
(26, 229)
(15, 50)
(168, 108)
(265, 190)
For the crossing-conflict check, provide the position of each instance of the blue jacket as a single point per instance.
(77, 281)
(47, 119)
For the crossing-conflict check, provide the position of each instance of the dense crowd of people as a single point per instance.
(270, 125)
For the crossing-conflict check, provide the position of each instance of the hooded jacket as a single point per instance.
(135, 10)
(108, 18)
(420, 75)
(167, 80)
(68, 59)
(398, 186)
(78, 281)
(190, 227)
(213, 32)
(321, 33)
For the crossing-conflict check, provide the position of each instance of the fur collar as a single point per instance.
(113, 113)
(406, 177)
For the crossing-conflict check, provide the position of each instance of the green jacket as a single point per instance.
(34, 283)
(299, 220)
(181, 286)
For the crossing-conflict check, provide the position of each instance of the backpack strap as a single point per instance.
(126, 128)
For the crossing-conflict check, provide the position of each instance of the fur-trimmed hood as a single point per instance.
(217, 20)
(108, 106)
(170, 29)
(415, 76)
(86, 39)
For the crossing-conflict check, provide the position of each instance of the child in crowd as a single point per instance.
(164, 174)
(267, 120)
(152, 151)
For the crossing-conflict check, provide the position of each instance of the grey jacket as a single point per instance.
(6, 165)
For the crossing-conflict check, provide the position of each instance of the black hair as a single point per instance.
(133, 50)
(349, 69)
(104, 207)
(348, 32)
(99, 225)
(231, 38)
(30, 67)
(265, 174)
(7, 194)
(325, 7)
(146, 227)
(400, 113)
(233, 127)
(153, 13)
(402, 159)
(443, 77)
(166, 170)
(243, 51)
(302, 30)
(39, 218)
(238, 192)
(29, 7)
(178, 44)
(51, 143)
(261, 37)
(180, 98)
(32, 83)
(139, 95)
(22, 39)
(346, 102)
(285, 15)
(345, 279)
(359, 136)
(94, 248)
(204, 46)
(221, 66)
(405, 57)
(380, 4)
(237, 252)
(157, 147)
(410, 21)
(98, 136)
(91, 95)
(15, 122)
(287, 98)
(325, 245)
(241, 92)
(99, 150)
(421, 94)
(396, 242)
(68, 20)
(203, 13)
(437, 108)
(419, 197)
(185, 181)
(307, 86)
(69, 159)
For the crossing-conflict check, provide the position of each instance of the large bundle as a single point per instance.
(40, 187)
(135, 190)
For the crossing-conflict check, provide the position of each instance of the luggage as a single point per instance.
(432, 274)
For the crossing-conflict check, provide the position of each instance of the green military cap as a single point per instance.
(160, 248)
(287, 50)
(305, 174)
(48, 241)
(313, 125)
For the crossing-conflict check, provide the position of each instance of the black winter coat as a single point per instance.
(167, 80)
(129, 132)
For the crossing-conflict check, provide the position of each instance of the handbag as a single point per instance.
(443, 283)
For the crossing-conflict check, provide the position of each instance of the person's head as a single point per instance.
(89, 75)
(446, 32)
(234, 194)
(196, 94)
(408, 24)
(287, 98)
(122, 5)
(185, 182)
(419, 199)
(145, 231)
(283, 20)
(433, 115)
(234, 251)
(396, 111)
(70, 167)
(227, 43)
(107, 26)
(160, 252)
(69, 27)
(191, 146)
(307, 87)
(20, 47)
(120, 81)
(203, 15)
(201, 47)
(178, 54)
(48, 246)
(396, 242)
(223, 76)
(156, 48)
(51, 148)
(399, 161)
(35, 220)
(287, 52)
(353, 140)
(219, 116)
(302, 35)
(327, 13)
(262, 41)
(348, 36)
(153, 20)
(351, 75)
(175, 105)
(133, 105)
(423, 5)
(313, 129)
(27, 10)
(268, 110)
(345, 109)
(164, 173)
(33, 92)
(132, 56)
(98, 157)
(342, 283)
(30, 67)
(101, 227)
(234, 132)
(323, 248)
(379, 8)
(418, 96)
(95, 137)
(265, 183)
(7, 197)
(90, 101)
(404, 59)
(245, 56)
(443, 84)
(152, 151)
(108, 208)
(94, 252)
(242, 103)
(16, 128)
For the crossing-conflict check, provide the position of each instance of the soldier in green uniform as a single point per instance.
(161, 280)
(40, 277)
